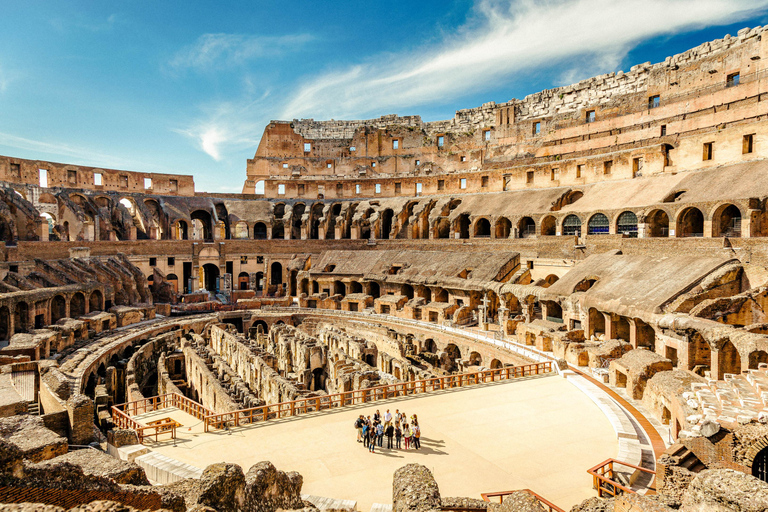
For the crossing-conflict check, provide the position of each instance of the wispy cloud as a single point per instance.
(228, 126)
(215, 51)
(504, 38)
(85, 22)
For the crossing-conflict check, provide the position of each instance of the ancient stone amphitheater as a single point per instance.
(570, 290)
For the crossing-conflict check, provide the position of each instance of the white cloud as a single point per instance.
(501, 39)
(214, 51)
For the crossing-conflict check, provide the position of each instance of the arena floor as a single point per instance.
(540, 433)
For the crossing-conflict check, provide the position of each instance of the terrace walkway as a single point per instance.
(513, 434)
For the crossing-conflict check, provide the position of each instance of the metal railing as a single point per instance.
(604, 477)
(551, 507)
(348, 398)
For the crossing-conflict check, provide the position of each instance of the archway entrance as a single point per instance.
(760, 465)
(210, 274)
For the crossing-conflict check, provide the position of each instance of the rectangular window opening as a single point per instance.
(357, 189)
(174, 185)
(147, 183)
(654, 101)
(171, 261)
(579, 170)
(352, 148)
(307, 147)
(72, 177)
(707, 153)
(637, 167)
(97, 179)
(300, 189)
(418, 189)
(591, 116)
(123, 181)
(339, 190)
(748, 144)
(328, 165)
(663, 130)
(418, 163)
(463, 183)
(733, 79)
(529, 177)
(484, 181)
(281, 189)
(487, 135)
(152, 262)
(16, 170)
(607, 167)
(397, 188)
(440, 184)
(395, 144)
(378, 188)
(440, 141)
(554, 174)
(43, 174)
(537, 127)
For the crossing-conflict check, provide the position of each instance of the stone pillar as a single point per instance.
(632, 332)
(42, 230)
(714, 366)
(132, 233)
(610, 329)
(708, 228)
(80, 411)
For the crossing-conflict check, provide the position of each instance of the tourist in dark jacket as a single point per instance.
(398, 435)
(390, 433)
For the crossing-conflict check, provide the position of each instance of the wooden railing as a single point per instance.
(603, 477)
(551, 507)
(347, 398)
(156, 403)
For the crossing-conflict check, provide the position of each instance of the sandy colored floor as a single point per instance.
(540, 433)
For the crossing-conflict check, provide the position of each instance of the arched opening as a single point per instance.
(569, 197)
(622, 329)
(259, 281)
(690, 223)
(241, 230)
(355, 287)
(298, 211)
(657, 224)
(407, 290)
(51, 225)
(549, 226)
(549, 281)
(598, 225)
(727, 221)
(304, 287)
(554, 311)
(482, 228)
(173, 280)
(430, 346)
(757, 357)
(314, 227)
(243, 280)
(96, 301)
(453, 354)
(278, 231)
(626, 224)
(58, 308)
(462, 225)
(572, 225)
(475, 359)
(276, 273)
(440, 295)
(646, 336)
(760, 465)
(263, 325)
(77, 305)
(503, 227)
(210, 276)
(315, 287)
(496, 364)
(259, 231)
(729, 360)
(181, 230)
(526, 227)
(205, 224)
(339, 288)
(596, 322)
(443, 228)
(374, 290)
(386, 223)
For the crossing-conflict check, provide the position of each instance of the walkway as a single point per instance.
(538, 433)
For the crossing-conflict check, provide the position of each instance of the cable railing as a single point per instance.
(549, 506)
(362, 396)
(605, 478)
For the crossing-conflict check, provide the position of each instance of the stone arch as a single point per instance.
(526, 227)
(657, 224)
(77, 305)
(374, 290)
(210, 275)
(298, 212)
(690, 223)
(174, 281)
(598, 224)
(596, 322)
(182, 230)
(475, 359)
(243, 280)
(756, 358)
(58, 308)
(339, 288)
(503, 227)
(241, 230)
(729, 360)
(430, 346)
(461, 225)
(276, 273)
(314, 222)
(482, 228)
(549, 226)
(440, 295)
(443, 228)
(571, 225)
(96, 301)
(626, 224)
(355, 287)
(259, 281)
(549, 280)
(569, 197)
(205, 223)
(259, 231)
(386, 223)
(407, 290)
(21, 317)
(726, 221)
(496, 364)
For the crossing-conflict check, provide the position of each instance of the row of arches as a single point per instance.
(21, 316)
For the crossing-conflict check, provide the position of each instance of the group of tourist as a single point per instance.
(398, 430)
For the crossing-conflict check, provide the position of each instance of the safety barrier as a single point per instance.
(603, 477)
(551, 507)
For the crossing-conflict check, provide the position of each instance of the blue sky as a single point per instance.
(187, 87)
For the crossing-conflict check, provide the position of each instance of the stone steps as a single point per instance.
(164, 470)
(330, 503)
(381, 507)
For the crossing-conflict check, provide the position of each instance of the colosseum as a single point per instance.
(569, 291)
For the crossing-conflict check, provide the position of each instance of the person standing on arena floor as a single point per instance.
(377, 417)
(372, 440)
(380, 434)
(359, 426)
(387, 418)
(407, 436)
(365, 432)
(398, 435)
(416, 435)
(389, 433)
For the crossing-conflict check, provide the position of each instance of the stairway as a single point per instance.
(33, 408)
